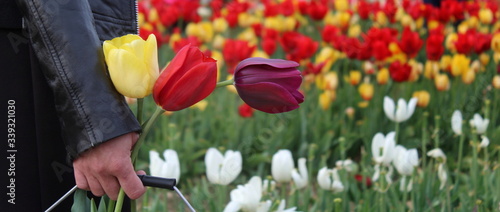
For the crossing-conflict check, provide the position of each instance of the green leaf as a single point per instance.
(102, 204)
(93, 207)
(80, 202)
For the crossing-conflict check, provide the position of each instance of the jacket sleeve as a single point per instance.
(65, 41)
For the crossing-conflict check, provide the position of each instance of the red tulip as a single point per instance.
(298, 46)
(434, 47)
(400, 72)
(465, 42)
(364, 9)
(316, 10)
(235, 51)
(483, 43)
(410, 42)
(245, 111)
(269, 46)
(269, 85)
(174, 88)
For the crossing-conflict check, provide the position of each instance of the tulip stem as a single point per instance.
(140, 103)
(119, 201)
(146, 128)
(460, 152)
(225, 83)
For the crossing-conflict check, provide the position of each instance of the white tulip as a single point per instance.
(388, 175)
(405, 160)
(456, 122)
(282, 166)
(436, 154)
(221, 169)
(403, 111)
(329, 179)
(347, 164)
(168, 168)
(247, 197)
(300, 177)
(484, 142)
(442, 175)
(383, 148)
(479, 123)
(281, 207)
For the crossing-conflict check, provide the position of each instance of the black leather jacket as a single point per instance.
(67, 36)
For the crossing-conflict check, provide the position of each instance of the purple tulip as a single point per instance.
(269, 85)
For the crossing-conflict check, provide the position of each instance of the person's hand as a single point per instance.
(107, 167)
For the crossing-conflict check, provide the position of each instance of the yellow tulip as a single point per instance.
(484, 59)
(496, 82)
(496, 57)
(203, 31)
(433, 24)
(473, 22)
(485, 16)
(259, 53)
(450, 42)
(341, 5)
(350, 112)
(495, 43)
(274, 23)
(416, 69)
(468, 76)
(366, 91)
(331, 81)
(289, 23)
(476, 66)
(442, 82)
(459, 64)
(343, 19)
(381, 19)
(354, 77)
(174, 38)
(132, 64)
(431, 69)
(354, 31)
(220, 25)
(368, 67)
(407, 21)
(201, 105)
(217, 55)
(463, 27)
(383, 76)
(248, 35)
(326, 98)
(423, 98)
(218, 42)
(445, 63)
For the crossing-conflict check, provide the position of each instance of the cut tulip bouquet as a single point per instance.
(268, 85)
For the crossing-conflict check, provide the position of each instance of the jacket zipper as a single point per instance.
(137, 16)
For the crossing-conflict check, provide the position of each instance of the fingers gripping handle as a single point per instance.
(158, 182)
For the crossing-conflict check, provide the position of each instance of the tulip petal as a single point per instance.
(128, 73)
(456, 122)
(231, 167)
(183, 94)
(411, 107)
(389, 108)
(277, 63)
(268, 97)
(401, 111)
(213, 161)
(377, 147)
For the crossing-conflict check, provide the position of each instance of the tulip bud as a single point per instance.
(350, 112)
(269, 85)
(496, 82)
(354, 77)
(132, 64)
(485, 15)
(484, 59)
(168, 167)
(368, 67)
(366, 91)
(445, 63)
(495, 42)
(431, 69)
(381, 18)
(423, 98)
(222, 169)
(282, 166)
(220, 25)
(326, 98)
(174, 88)
(383, 76)
(442, 82)
(459, 64)
(451, 39)
(468, 76)
(331, 81)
